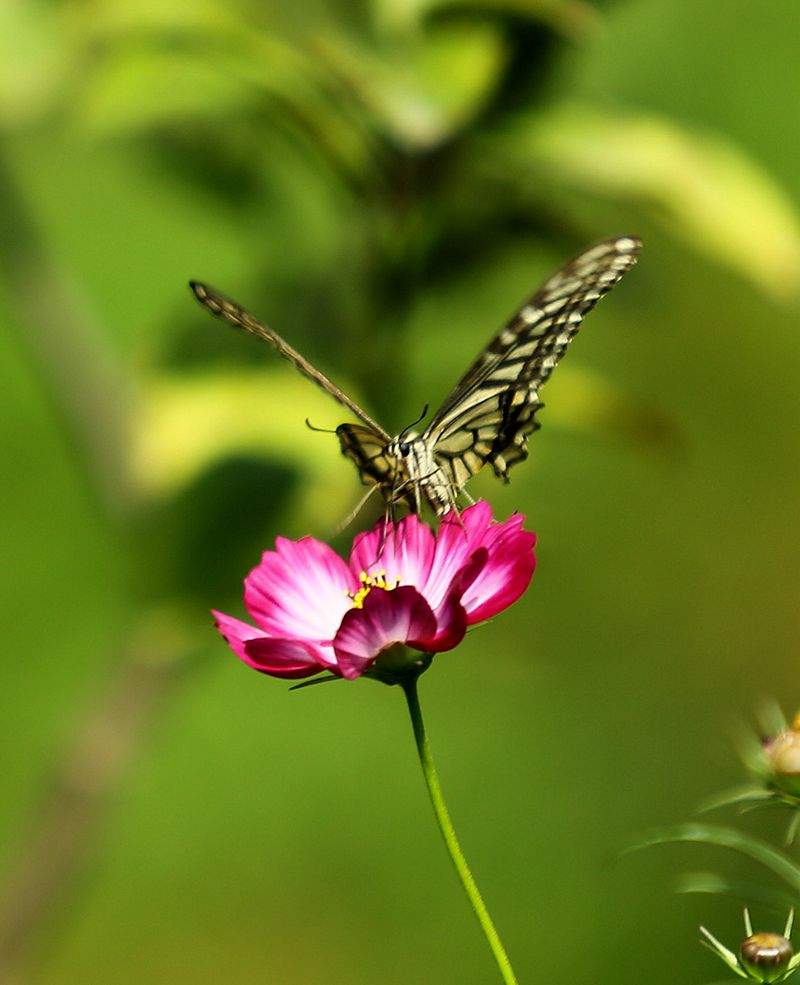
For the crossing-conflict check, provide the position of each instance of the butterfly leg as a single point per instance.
(345, 523)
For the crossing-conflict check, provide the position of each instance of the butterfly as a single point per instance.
(489, 414)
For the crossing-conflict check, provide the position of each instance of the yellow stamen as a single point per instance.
(368, 582)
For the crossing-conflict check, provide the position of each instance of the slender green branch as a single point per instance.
(449, 835)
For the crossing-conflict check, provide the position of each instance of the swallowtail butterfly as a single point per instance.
(491, 411)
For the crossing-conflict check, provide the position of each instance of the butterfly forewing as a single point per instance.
(490, 413)
(237, 316)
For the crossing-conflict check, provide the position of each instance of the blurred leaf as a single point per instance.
(199, 61)
(714, 884)
(216, 66)
(186, 425)
(739, 841)
(588, 401)
(33, 59)
(744, 795)
(704, 188)
(569, 17)
(449, 76)
(425, 87)
(141, 87)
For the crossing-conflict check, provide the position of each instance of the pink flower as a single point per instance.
(403, 585)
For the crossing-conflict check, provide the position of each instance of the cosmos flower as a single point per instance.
(403, 586)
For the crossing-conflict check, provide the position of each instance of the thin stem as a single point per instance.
(449, 835)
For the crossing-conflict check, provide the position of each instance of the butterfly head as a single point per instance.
(404, 447)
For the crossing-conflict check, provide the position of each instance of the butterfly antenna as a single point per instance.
(413, 424)
(312, 427)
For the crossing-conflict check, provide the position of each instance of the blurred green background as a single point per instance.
(384, 181)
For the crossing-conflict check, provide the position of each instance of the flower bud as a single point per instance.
(765, 957)
(783, 755)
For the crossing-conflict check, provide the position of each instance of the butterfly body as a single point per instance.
(490, 413)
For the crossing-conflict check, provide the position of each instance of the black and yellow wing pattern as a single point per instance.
(490, 413)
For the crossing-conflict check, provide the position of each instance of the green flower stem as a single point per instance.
(449, 835)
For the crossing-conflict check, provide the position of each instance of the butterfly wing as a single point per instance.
(235, 315)
(490, 412)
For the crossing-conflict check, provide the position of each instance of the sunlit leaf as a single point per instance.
(186, 424)
(588, 401)
(704, 188)
(424, 87)
(33, 60)
(573, 18)
(141, 87)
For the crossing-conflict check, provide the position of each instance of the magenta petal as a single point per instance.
(451, 616)
(507, 572)
(281, 658)
(299, 591)
(235, 632)
(398, 616)
(403, 550)
(453, 550)
(478, 518)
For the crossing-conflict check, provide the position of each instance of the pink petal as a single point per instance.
(299, 591)
(451, 616)
(478, 518)
(507, 572)
(454, 547)
(235, 632)
(281, 658)
(403, 550)
(398, 616)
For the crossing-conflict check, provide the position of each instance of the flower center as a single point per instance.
(368, 582)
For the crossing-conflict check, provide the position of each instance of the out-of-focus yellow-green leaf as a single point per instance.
(32, 59)
(142, 86)
(176, 17)
(48, 52)
(445, 82)
(186, 424)
(571, 18)
(161, 69)
(426, 86)
(588, 401)
(703, 187)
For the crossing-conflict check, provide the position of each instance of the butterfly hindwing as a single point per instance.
(367, 450)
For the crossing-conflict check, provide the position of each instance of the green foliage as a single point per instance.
(382, 181)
